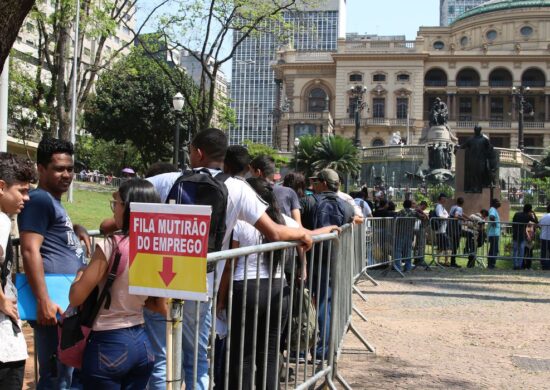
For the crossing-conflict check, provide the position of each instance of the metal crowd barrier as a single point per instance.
(478, 242)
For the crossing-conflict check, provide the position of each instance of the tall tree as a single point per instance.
(205, 30)
(133, 101)
(12, 15)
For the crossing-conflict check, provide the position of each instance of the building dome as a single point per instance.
(499, 5)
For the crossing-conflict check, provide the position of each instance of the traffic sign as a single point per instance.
(168, 249)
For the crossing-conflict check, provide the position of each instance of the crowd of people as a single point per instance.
(127, 345)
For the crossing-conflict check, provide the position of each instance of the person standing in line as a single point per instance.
(16, 175)
(264, 166)
(454, 229)
(475, 235)
(404, 230)
(520, 221)
(118, 353)
(420, 229)
(493, 233)
(50, 244)
(544, 225)
(530, 230)
(361, 203)
(442, 238)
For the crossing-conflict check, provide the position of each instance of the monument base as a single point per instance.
(473, 202)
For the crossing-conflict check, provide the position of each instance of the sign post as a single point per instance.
(168, 249)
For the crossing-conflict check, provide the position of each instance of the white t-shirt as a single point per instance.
(12, 347)
(242, 203)
(364, 205)
(440, 212)
(357, 210)
(544, 224)
(247, 235)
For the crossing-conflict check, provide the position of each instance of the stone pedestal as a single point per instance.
(473, 202)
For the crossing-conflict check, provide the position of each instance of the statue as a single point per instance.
(396, 139)
(439, 114)
(480, 162)
(439, 156)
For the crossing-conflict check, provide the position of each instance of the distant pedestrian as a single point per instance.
(520, 221)
(441, 236)
(454, 228)
(493, 233)
(475, 235)
(544, 224)
(404, 235)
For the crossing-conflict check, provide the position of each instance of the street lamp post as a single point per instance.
(523, 107)
(296, 144)
(357, 92)
(178, 102)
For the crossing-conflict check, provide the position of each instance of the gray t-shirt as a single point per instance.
(287, 199)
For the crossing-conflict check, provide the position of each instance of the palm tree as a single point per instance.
(306, 154)
(337, 153)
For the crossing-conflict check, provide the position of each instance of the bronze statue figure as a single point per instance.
(439, 114)
(480, 162)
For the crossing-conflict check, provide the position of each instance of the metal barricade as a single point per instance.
(379, 241)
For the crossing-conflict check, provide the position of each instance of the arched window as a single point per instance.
(379, 77)
(533, 77)
(467, 78)
(317, 100)
(500, 77)
(435, 78)
(355, 78)
(378, 142)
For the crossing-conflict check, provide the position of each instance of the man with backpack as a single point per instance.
(204, 183)
(324, 208)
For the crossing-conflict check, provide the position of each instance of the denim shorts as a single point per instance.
(117, 358)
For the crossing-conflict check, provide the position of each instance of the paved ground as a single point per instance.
(453, 329)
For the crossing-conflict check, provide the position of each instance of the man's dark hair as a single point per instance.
(527, 207)
(423, 203)
(14, 168)
(159, 168)
(297, 182)
(407, 204)
(265, 164)
(365, 192)
(484, 212)
(213, 142)
(460, 201)
(382, 203)
(391, 206)
(355, 194)
(236, 160)
(49, 146)
(495, 203)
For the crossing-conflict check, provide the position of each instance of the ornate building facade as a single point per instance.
(471, 65)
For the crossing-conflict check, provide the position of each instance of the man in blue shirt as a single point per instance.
(50, 245)
(493, 233)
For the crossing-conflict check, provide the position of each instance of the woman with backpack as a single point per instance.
(244, 235)
(118, 353)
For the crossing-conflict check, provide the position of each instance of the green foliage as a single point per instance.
(306, 154)
(434, 191)
(107, 157)
(337, 153)
(133, 102)
(255, 150)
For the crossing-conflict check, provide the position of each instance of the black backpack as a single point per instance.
(329, 210)
(201, 188)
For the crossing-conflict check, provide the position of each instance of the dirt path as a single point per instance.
(453, 329)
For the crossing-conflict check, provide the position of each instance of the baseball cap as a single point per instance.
(328, 175)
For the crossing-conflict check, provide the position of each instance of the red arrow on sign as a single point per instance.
(167, 274)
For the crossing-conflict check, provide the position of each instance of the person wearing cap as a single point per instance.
(314, 215)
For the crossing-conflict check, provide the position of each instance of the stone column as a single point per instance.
(546, 106)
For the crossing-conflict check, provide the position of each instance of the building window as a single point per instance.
(304, 129)
(402, 77)
(491, 35)
(356, 77)
(463, 41)
(526, 31)
(377, 142)
(402, 107)
(497, 109)
(465, 109)
(379, 77)
(317, 100)
(439, 45)
(378, 107)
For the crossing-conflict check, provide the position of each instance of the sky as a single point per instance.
(391, 17)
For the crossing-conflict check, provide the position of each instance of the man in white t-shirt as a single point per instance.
(15, 176)
(207, 150)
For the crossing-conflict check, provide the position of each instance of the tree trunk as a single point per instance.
(13, 13)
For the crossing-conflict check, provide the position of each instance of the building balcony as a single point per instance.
(384, 122)
(306, 116)
(377, 46)
(494, 124)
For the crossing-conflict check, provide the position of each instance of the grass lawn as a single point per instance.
(89, 207)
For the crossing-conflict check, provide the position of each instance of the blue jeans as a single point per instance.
(518, 252)
(117, 359)
(188, 342)
(493, 251)
(155, 326)
(53, 375)
(403, 251)
(324, 304)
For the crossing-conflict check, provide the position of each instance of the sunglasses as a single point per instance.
(113, 204)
